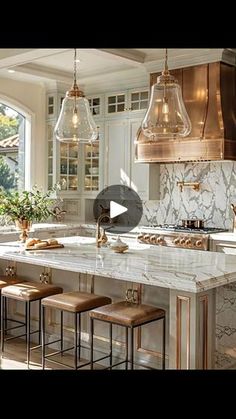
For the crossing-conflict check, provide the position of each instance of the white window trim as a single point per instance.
(29, 136)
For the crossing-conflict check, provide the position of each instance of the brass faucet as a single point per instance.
(194, 185)
(101, 237)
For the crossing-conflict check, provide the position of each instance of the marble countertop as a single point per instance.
(224, 236)
(173, 268)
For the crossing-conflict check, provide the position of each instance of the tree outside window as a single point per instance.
(12, 146)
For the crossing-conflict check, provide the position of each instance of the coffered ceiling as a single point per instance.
(98, 69)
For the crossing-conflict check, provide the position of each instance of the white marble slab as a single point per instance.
(172, 268)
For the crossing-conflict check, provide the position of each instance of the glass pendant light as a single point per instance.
(166, 116)
(75, 122)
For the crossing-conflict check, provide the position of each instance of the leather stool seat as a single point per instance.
(126, 313)
(129, 315)
(9, 280)
(75, 301)
(30, 291)
(27, 292)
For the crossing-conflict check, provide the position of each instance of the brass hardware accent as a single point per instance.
(188, 242)
(198, 243)
(176, 241)
(146, 238)
(234, 220)
(194, 185)
(101, 237)
(153, 239)
(131, 295)
(160, 240)
(179, 301)
(204, 300)
(46, 276)
(11, 270)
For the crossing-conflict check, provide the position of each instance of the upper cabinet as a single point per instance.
(126, 102)
(86, 169)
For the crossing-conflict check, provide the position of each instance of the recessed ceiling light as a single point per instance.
(11, 70)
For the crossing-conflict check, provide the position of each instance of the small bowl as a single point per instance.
(118, 246)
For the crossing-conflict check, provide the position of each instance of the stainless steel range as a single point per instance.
(178, 236)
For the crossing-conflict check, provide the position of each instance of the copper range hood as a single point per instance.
(209, 93)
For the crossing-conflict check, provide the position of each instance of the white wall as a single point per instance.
(30, 98)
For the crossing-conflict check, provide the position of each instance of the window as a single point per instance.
(12, 148)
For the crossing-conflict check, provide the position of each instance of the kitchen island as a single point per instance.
(184, 282)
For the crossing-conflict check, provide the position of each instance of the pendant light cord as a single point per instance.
(75, 67)
(166, 61)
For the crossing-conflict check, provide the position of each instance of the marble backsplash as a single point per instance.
(211, 203)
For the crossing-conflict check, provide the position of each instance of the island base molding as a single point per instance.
(192, 330)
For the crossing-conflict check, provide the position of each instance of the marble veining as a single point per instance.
(211, 202)
(166, 267)
(226, 326)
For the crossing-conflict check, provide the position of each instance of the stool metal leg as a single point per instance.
(79, 336)
(62, 331)
(110, 345)
(28, 332)
(43, 336)
(39, 322)
(2, 323)
(75, 342)
(132, 347)
(5, 314)
(91, 346)
(163, 343)
(126, 347)
(26, 322)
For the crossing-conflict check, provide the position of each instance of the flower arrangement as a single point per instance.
(31, 205)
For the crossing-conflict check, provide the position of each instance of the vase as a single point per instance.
(24, 226)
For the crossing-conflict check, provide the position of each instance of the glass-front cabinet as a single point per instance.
(75, 166)
(130, 101)
(69, 163)
(91, 167)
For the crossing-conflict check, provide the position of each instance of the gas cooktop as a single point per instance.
(179, 228)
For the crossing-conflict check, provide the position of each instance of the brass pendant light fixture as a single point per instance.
(166, 116)
(75, 122)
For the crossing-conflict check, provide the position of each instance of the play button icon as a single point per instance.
(116, 209)
(122, 204)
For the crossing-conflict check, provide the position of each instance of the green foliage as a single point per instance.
(8, 126)
(7, 178)
(27, 205)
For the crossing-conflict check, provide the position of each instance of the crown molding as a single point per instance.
(190, 57)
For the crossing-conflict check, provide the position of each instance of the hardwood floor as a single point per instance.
(14, 358)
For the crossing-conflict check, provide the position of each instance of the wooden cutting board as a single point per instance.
(51, 246)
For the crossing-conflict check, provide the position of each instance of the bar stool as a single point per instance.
(73, 302)
(6, 280)
(129, 315)
(27, 292)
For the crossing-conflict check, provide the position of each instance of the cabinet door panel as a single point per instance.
(117, 154)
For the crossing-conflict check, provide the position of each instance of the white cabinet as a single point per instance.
(228, 247)
(117, 151)
(120, 167)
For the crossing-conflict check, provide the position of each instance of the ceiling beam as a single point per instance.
(129, 56)
(44, 72)
(15, 57)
